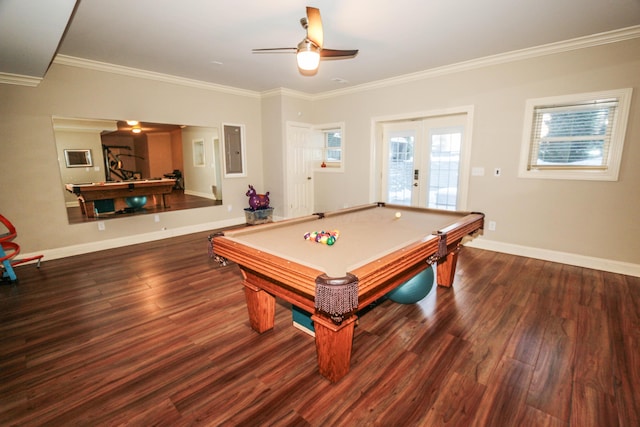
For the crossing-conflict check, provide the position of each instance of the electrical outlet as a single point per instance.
(491, 226)
(156, 218)
(100, 225)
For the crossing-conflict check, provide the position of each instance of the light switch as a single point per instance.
(477, 171)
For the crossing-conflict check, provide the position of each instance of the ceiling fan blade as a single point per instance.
(314, 28)
(276, 50)
(338, 54)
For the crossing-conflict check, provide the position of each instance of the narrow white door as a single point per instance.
(300, 153)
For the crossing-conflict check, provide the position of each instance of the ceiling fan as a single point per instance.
(310, 50)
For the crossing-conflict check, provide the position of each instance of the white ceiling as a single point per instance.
(211, 40)
(30, 31)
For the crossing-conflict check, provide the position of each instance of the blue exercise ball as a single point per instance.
(136, 202)
(414, 289)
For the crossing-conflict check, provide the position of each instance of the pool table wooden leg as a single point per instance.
(261, 306)
(83, 209)
(446, 269)
(333, 346)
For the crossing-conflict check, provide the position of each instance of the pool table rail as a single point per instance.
(379, 277)
(267, 276)
(295, 285)
(382, 275)
(298, 283)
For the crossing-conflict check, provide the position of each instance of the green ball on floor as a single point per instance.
(414, 289)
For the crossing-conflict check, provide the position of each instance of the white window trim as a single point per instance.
(334, 166)
(611, 172)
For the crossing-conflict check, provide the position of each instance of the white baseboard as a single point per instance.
(556, 256)
(304, 329)
(210, 196)
(480, 243)
(67, 251)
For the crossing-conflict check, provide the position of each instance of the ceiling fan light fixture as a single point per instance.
(308, 56)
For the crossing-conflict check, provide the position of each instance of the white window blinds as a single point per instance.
(572, 136)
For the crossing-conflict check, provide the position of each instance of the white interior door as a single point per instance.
(301, 152)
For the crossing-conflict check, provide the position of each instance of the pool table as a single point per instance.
(88, 193)
(379, 247)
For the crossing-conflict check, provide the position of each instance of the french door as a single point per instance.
(422, 162)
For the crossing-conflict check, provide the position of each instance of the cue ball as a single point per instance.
(398, 214)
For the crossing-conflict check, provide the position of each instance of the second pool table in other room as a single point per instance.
(379, 247)
(89, 193)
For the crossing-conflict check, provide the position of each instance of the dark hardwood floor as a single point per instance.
(157, 334)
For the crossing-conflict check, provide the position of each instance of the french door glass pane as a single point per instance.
(400, 174)
(445, 164)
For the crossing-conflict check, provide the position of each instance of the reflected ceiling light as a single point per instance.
(308, 55)
(136, 129)
(132, 122)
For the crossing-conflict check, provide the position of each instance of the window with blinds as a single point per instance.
(330, 149)
(575, 137)
(333, 146)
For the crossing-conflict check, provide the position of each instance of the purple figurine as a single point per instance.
(257, 201)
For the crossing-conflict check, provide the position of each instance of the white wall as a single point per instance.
(587, 218)
(31, 191)
(278, 108)
(199, 179)
(592, 220)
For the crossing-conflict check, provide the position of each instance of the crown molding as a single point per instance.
(83, 125)
(281, 91)
(513, 56)
(19, 79)
(73, 61)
